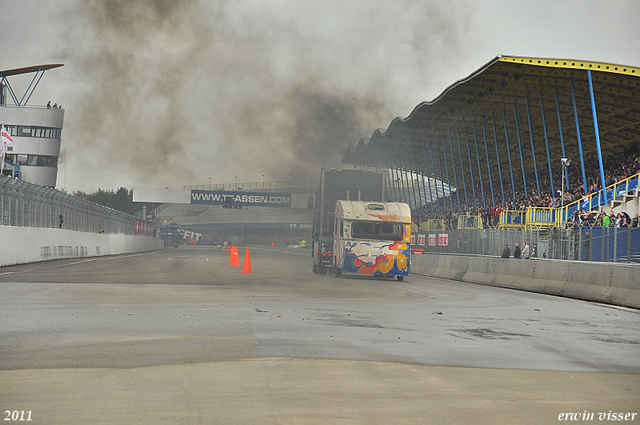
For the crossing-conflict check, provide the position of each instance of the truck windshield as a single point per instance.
(376, 230)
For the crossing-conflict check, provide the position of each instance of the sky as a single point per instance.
(168, 93)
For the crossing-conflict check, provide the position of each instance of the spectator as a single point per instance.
(517, 252)
(506, 252)
(525, 251)
(49, 105)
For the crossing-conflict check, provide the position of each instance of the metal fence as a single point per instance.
(582, 243)
(31, 205)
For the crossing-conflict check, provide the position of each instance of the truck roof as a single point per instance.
(396, 212)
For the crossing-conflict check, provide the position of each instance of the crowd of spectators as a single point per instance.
(616, 168)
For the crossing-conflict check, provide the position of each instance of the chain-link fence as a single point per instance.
(31, 205)
(582, 243)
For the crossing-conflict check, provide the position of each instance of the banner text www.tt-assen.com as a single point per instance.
(212, 197)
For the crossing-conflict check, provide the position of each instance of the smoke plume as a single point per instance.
(165, 93)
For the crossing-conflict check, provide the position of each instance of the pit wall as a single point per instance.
(19, 245)
(611, 283)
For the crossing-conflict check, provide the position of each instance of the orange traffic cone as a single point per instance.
(230, 249)
(246, 266)
(235, 258)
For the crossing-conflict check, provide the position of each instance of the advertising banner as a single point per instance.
(256, 199)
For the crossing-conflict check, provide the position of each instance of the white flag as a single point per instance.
(6, 140)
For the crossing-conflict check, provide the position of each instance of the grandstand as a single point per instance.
(522, 143)
(498, 136)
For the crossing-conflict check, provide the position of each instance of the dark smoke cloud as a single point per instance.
(163, 93)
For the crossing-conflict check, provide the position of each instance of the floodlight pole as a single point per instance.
(565, 163)
(562, 192)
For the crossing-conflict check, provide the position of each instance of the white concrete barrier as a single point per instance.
(19, 245)
(611, 283)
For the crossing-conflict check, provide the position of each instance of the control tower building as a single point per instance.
(36, 130)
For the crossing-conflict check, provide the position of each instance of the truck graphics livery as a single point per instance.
(372, 238)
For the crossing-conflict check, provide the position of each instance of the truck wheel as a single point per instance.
(338, 272)
(400, 278)
(315, 268)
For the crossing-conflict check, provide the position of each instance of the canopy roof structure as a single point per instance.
(515, 116)
(39, 71)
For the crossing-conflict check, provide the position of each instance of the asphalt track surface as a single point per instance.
(179, 336)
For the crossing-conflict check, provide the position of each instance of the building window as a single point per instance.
(37, 160)
(29, 131)
(47, 161)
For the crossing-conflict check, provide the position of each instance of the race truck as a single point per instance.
(334, 186)
(171, 234)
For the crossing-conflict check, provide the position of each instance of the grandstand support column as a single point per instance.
(417, 173)
(396, 178)
(546, 142)
(506, 138)
(464, 180)
(389, 181)
(433, 167)
(595, 126)
(430, 201)
(392, 173)
(453, 165)
(413, 186)
(403, 178)
(473, 184)
(446, 166)
(475, 136)
(495, 138)
(486, 152)
(394, 182)
(524, 176)
(575, 114)
(441, 175)
(533, 150)
(564, 155)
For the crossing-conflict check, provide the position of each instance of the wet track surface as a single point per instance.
(187, 306)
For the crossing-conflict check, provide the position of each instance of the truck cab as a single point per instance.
(372, 238)
(171, 234)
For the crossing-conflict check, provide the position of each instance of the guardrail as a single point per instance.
(30, 205)
(512, 219)
(470, 222)
(539, 217)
